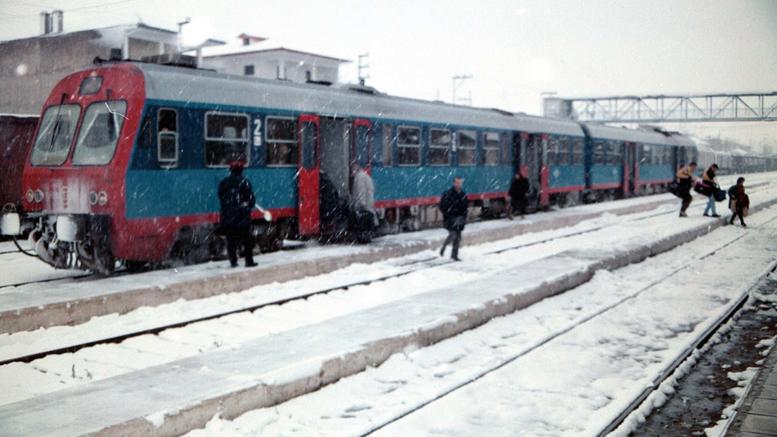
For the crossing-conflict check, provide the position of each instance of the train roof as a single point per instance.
(631, 135)
(204, 86)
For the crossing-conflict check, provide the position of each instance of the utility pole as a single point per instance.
(457, 81)
(363, 66)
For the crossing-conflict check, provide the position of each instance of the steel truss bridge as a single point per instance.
(663, 108)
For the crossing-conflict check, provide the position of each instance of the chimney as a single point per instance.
(57, 21)
(45, 23)
(51, 22)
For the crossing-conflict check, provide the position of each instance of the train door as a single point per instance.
(308, 175)
(361, 146)
(630, 169)
(334, 149)
(532, 160)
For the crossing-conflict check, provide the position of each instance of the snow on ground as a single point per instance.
(573, 385)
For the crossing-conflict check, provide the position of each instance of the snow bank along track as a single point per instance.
(446, 313)
(635, 408)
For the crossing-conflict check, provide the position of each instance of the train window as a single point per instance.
(409, 145)
(308, 134)
(505, 145)
(645, 154)
(440, 141)
(599, 156)
(281, 142)
(387, 140)
(558, 151)
(466, 147)
(99, 133)
(226, 139)
(167, 137)
(491, 147)
(55, 135)
(614, 155)
(578, 152)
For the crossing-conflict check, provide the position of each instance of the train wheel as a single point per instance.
(104, 261)
(135, 266)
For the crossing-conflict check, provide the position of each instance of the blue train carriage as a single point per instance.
(420, 146)
(624, 162)
(195, 122)
(551, 152)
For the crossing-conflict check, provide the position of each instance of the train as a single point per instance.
(16, 133)
(127, 157)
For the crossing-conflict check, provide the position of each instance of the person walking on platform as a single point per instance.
(453, 205)
(739, 201)
(519, 189)
(237, 200)
(363, 204)
(710, 186)
(684, 184)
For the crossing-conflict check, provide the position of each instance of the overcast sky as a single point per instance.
(515, 50)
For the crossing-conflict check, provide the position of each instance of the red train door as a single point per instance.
(308, 175)
(361, 145)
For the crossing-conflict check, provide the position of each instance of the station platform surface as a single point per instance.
(757, 415)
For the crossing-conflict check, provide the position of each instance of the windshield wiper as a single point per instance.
(57, 125)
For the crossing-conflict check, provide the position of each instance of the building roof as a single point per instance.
(102, 30)
(227, 51)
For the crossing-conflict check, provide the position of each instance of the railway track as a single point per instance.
(637, 402)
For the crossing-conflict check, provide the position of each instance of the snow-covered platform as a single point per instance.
(43, 305)
(757, 415)
(179, 396)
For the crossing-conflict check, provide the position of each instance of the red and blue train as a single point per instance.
(127, 157)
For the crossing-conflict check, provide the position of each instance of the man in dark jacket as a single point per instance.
(519, 189)
(739, 201)
(710, 186)
(684, 185)
(237, 200)
(453, 205)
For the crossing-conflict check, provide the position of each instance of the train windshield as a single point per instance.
(55, 135)
(99, 133)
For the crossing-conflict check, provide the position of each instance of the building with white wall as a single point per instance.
(250, 56)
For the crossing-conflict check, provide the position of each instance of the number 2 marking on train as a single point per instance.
(257, 132)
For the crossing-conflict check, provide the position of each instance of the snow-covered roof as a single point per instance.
(252, 49)
(110, 34)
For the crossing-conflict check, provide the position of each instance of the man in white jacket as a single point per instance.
(363, 203)
(362, 189)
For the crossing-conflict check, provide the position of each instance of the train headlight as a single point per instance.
(30, 196)
(102, 198)
(38, 196)
(92, 198)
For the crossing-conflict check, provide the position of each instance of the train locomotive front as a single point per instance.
(72, 183)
